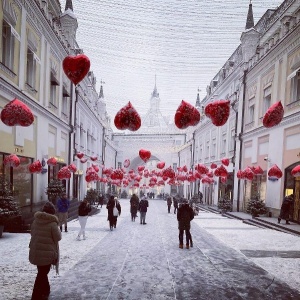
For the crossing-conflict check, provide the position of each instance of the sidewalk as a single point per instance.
(144, 262)
(267, 222)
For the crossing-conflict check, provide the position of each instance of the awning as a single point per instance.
(293, 74)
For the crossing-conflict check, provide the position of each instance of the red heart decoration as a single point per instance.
(12, 160)
(186, 115)
(273, 115)
(258, 170)
(83, 160)
(126, 163)
(76, 67)
(296, 171)
(93, 158)
(80, 155)
(127, 118)
(274, 172)
(248, 174)
(160, 165)
(144, 155)
(221, 171)
(52, 161)
(35, 167)
(225, 161)
(218, 111)
(72, 168)
(16, 113)
(213, 166)
(64, 173)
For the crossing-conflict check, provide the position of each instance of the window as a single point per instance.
(213, 150)
(8, 46)
(223, 143)
(251, 113)
(232, 139)
(207, 149)
(295, 89)
(31, 69)
(53, 88)
(266, 99)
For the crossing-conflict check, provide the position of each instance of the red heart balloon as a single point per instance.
(186, 115)
(12, 160)
(72, 168)
(273, 115)
(76, 67)
(144, 155)
(64, 173)
(35, 167)
(221, 171)
(16, 113)
(93, 158)
(52, 161)
(160, 165)
(127, 118)
(275, 172)
(225, 161)
(80, 155)
(218, 112)
(296, 171)
(213, 166)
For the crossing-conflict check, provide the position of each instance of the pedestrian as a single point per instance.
(113, 211)
(143, 207)
(175, 204)
(185, 215)
(84, 209)
(169, 203)
(63, 205)
(100, 200)
(285, 209)
(43, 248)
(134, 205)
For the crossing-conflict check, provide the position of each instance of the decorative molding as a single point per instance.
(9, 12)
(32, 104)
(32, 41)
(8, 71)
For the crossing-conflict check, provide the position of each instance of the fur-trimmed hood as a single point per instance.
(43, 217)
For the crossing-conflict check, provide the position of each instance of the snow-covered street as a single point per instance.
(144, 262)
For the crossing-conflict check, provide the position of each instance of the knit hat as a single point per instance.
(49, 208)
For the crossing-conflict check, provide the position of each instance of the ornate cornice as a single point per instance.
(39, 21)
(288, 120)
(36, 108)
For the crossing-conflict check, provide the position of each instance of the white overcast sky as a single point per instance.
(183, 42)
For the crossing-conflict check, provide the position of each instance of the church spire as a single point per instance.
(69, 5)
(250, 19)
(198, 101)
(155, 93)
(101, 94)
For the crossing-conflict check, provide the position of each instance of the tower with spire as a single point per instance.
(101, 105)
(250, 37)
(154, 118)
(69, 23)
(198, 105)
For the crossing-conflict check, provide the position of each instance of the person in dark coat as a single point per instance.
(143, 207)
(43, 248)
(285, 209)
(100, 200)
(83, 212)
(169, 203)
(111, 217)
(185, 215)
(134, 205)
(175, 204)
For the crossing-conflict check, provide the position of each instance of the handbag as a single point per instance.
(115, 210)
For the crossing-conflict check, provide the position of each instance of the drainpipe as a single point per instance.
(70, 158)
(240, 136)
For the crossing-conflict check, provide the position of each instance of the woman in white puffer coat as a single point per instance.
(45, 235)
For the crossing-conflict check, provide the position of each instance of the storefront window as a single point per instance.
(19, 178)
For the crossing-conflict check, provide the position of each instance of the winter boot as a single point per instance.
(279, 220)
(187, 246)
(60, 227)
(181, 246)
(287, 222)
(66, 229)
